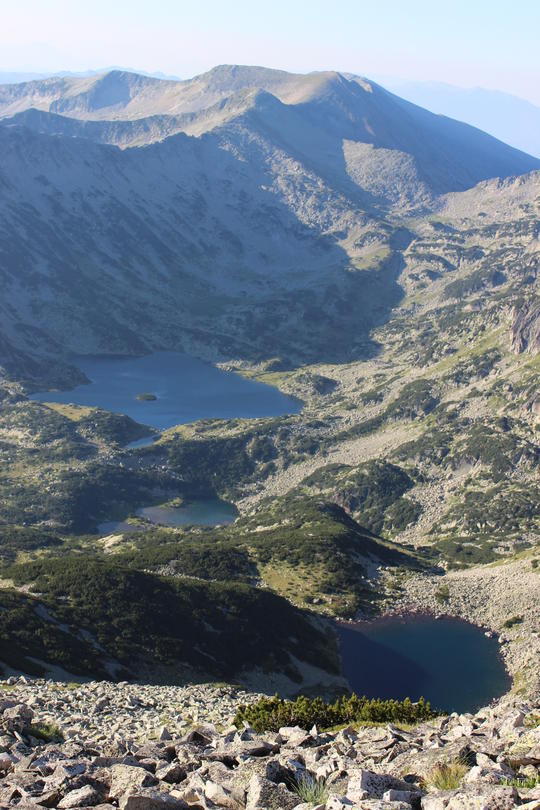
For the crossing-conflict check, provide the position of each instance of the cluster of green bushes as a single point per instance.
(497, 447)
(417, 398)
(46, 425)
(14, 539)
(271, 714)
(373, 396)
(372, 491)
(209, 556)
(91, 604)
(495, 512)
(476, 367)
(300, 533)
(31, 636)
(512, 622)
(474, 282)
(460, 552)
(58, 473)
(223, 463)
(211, 463)
(432, 447)
(79, 498)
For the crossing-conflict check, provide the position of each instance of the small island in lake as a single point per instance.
(145, 397)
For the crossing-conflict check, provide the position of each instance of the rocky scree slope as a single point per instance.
(187, 762)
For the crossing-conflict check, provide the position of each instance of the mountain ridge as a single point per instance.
(298, 183)
(365, 111)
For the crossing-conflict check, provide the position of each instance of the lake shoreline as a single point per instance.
(454, 663)
(486, 596)
(414, 614)
(184, 390)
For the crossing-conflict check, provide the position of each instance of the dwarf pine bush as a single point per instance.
(270, 714)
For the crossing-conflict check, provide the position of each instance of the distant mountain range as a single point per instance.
(253, 210)
(19, 76)
(507, 117)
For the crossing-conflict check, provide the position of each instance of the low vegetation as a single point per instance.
(372, 492)
(512, 622)
(309, 788)
(522, 782)
(271, 714)
(447, 775)
(89, 612)
(47, 732)
(306, 549)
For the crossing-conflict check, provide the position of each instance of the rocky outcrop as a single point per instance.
(205, 767)
(526, 328)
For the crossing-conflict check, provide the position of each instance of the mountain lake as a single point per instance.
(448, 661)
(166, 389)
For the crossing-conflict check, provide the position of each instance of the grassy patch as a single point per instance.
(310, 789)
(447, 775)
(526, 782)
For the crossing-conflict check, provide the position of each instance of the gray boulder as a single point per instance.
(262, 793)
(485, 797)
(86, 796)
(128, 778)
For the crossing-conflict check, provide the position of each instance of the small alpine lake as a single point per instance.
(167, 388)
(448, 661)
(207, 512)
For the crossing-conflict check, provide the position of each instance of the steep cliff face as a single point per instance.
(526, 328)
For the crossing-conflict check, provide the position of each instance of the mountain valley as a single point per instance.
(320, 235)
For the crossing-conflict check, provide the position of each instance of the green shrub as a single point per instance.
(270, 714)
(48, 732)
(522, 782)
(512, 621)
(442, 595)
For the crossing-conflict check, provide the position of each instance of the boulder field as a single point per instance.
(134, 747)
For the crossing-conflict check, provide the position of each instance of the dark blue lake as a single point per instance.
(450, 662)
(185, 390)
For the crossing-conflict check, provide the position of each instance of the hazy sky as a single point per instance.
(488, 43)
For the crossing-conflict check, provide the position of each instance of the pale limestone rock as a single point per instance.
(126, 778)
(147, 799)
(263, 793)
(85, 796)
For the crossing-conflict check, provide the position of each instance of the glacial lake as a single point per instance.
(183, 389)
(450, 662)
(207, 512)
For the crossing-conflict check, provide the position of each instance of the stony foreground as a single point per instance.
(115, 753)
